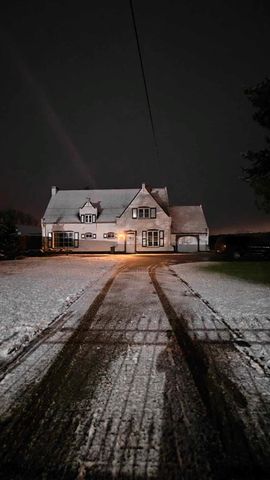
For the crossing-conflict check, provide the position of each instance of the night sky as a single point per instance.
(74, 112)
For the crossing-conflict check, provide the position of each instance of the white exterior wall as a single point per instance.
(204, 242)
(161, 222)
(100, 244)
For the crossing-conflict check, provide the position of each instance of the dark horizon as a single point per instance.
(74, 111)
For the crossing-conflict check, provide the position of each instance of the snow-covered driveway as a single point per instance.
(122, 389)
(118, 402)
(35, 291)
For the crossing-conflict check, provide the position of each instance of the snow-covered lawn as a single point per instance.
(244, 305)
(34, 291)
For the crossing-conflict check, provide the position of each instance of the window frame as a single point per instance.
(88, 218)
(50, 240)
(153, 212)
(153, 238)
(144, 238)
(76, 239)
(109, 235)
(134, 213)
(71, 237)
(144, 213)
(90, 235)
(161, 238)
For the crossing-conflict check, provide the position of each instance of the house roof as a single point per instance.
(64, 206)
(189, 219)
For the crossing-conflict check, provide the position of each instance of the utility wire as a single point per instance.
(144, 78)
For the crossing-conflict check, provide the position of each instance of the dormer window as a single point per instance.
(88, 212)
(88, 218)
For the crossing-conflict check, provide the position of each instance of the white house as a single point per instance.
(121, 220)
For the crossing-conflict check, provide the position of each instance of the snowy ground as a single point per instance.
(244, 305)
(35, 291)
(121, 377)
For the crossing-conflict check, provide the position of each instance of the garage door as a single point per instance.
(187, 244)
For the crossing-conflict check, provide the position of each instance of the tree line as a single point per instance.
(257, 174)
(9, 240)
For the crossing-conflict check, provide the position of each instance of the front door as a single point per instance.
(130, 242)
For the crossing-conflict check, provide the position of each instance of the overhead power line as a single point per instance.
(144, 77)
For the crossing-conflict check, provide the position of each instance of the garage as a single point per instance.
(187, 243)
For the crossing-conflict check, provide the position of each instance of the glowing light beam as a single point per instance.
(48, 112)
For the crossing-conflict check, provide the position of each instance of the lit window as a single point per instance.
(134, 212)
(50, 240)
(76, 239)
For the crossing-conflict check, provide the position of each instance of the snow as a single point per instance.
(36, 291)
(244, 306)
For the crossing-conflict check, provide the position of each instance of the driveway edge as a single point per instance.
(215, 367)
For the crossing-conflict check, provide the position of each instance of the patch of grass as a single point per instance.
(257, 272)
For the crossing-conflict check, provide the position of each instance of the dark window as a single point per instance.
(109, 235)
(153, 238)
(144, 212)
(64, 239)
(90, 235)
(90, 218)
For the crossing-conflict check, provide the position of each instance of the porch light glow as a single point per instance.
(121, 236)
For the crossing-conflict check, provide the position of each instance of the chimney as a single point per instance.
(143, 186)
(54, 191)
